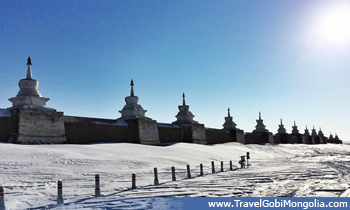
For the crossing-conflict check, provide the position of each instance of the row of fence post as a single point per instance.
(133, 178)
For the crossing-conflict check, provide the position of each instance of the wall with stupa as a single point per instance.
(30, 121)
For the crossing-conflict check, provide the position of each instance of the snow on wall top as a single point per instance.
(168, 125)
(119, 123)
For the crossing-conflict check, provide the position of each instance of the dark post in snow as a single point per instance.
(188, 172)
(201, 169)
(173, 173)
(59, 192)
(248, 157)
(222, 166)
(97, 185)
(231, 165)
(156, 181)
(212, 167)
(2, 198)
(133, 179)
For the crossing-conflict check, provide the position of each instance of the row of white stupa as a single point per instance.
(29, 97)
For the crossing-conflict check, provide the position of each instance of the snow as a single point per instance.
(5, 113)
(29, 173)
(119, 122)
(166, 125)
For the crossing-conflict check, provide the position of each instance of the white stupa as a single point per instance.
(184, 116)
(229, 124)
(306, 133)
(260, 127)
(28, 97)
(281, 129)
(132, 110)
(320, 133)
(336, 138)
(331, 138)
(295, 129)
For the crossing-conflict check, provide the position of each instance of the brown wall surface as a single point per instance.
(255, 138)
(296, 139)
(276, 139)
(83, 130)
(90, 133)
(216, 136)
(5, 128)
(170, 134)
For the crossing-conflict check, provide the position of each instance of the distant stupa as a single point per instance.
(306, 133)
(313, 133)
(331, 138)
(320, 133)
(260, 127)
(281, 129)
(229, 124)
(295, 129)
(132, 110)
(184, 116)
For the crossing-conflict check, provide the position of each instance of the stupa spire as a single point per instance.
(306, 132)
(228, 112)
(259, 115)
(313, 133)
(29, 70)
(132, 88)
(183, 99)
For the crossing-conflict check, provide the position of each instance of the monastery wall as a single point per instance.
(84, 130)
(170, 133)
(5, 128)
(217, 136)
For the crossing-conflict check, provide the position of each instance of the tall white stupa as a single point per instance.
(132, 110)
(29, 97)
(32, 121)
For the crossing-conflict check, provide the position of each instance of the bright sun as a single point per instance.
(334, 25)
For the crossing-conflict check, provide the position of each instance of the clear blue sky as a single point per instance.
(249, 55)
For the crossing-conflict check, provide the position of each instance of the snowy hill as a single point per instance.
(30, 173)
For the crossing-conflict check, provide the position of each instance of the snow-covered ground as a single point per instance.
(29, 173)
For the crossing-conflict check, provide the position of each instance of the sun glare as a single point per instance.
(334, 25)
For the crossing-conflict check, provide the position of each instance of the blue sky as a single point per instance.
(249, 55)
